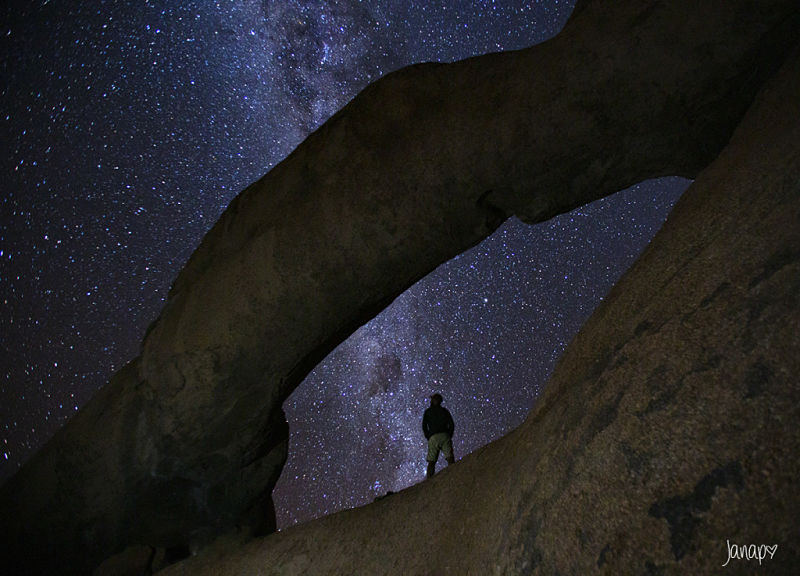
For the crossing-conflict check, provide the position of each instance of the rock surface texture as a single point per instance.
(670, 426)
(187, 441)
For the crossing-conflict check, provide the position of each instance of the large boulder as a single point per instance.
(669, 432)
(187, 441)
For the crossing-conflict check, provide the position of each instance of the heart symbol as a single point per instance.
(771, 549)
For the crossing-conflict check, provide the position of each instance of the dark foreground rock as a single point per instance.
(670, 427)
(187, 441)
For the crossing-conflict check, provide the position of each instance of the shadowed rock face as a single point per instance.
(670, 426)
(188, 440)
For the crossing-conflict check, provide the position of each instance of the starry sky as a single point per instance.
(128, 127)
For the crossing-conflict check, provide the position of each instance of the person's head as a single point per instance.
(436, 399)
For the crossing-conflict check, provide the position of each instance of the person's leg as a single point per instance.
(447, 451)
(434, 445)
(433, 455)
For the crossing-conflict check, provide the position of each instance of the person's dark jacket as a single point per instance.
(437, 419)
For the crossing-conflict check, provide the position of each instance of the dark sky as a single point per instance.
(128, 127)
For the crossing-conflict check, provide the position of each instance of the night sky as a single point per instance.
(128, 127)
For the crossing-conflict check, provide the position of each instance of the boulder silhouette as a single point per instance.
(667, 433)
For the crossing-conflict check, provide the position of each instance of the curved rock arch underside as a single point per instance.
(671, 423)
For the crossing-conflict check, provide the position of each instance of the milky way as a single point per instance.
(128, 127)
(484, 329)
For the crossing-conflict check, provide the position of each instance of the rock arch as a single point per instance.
(187, 441)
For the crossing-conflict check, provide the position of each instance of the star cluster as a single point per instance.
(128, 127)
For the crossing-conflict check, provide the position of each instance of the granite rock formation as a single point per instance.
(670, 427)
(187, 441)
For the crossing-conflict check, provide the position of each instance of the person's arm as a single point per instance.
(426, 426)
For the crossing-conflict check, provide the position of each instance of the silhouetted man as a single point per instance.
(437, 425)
